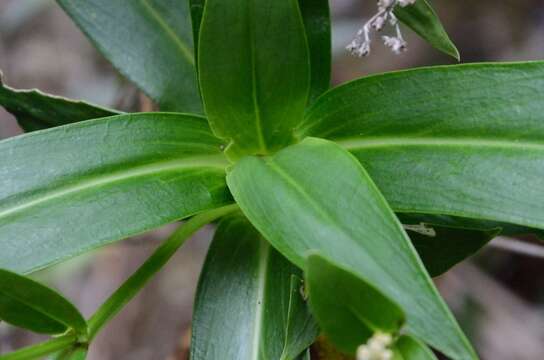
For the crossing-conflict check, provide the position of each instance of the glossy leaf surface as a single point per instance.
(317, 22)
(254, 72)
(28, 304)
(348, 309)
(35, 110)
(70, 189)
(248, 304)
(462, 149)
(323, 200)
(148, 41)
(421, 18)
(408, 348)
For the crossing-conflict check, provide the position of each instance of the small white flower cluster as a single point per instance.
(360, 46)
(377, 348)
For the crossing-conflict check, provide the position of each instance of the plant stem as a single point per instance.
(43, 349)
(128, 290)
(152, 265)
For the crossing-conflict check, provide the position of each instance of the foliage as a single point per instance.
(361, 190)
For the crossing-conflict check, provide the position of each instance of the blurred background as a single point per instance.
(498, 295)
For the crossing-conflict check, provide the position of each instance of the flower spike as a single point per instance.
(360, 46)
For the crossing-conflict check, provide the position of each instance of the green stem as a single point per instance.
(43, 349)
(160, 257)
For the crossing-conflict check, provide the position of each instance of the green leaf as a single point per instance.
(197, 10)
(36, 110)
(148, 41)
(348, 308)
(254, 72)
(323, 200)
(154, 263)
(302, 328)
(317, 21)
(443, 247)
(408, 348)
(247, 304)
(470, 224)
(28, 304)
(70, 189)
(423, 20)
(316, 18)
(467, 139)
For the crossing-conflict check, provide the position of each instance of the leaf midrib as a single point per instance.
(262, 275)
(211, 161)
(314, 204)
(275, 167)
(180, 45)
(36, 309)
(254, 79)
(287, 327)
(392, 141)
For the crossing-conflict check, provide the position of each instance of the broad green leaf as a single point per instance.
(247, 305)
(73, 188)
(323, 200)
(316, 18)
(317, 21)
(408, 348)
(461, 140)
(36, 110)
(443, 247)
(348, 309)
(28, 304)
(421, 18)
(148, 41)
(254, 72)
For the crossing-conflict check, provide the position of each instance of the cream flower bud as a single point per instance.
(378, 23)
(387, 355)
(383, 338)
(397, 45)
(376, 348)
(363, 353)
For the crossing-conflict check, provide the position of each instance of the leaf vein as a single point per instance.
(165, 166)
(180, 45)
